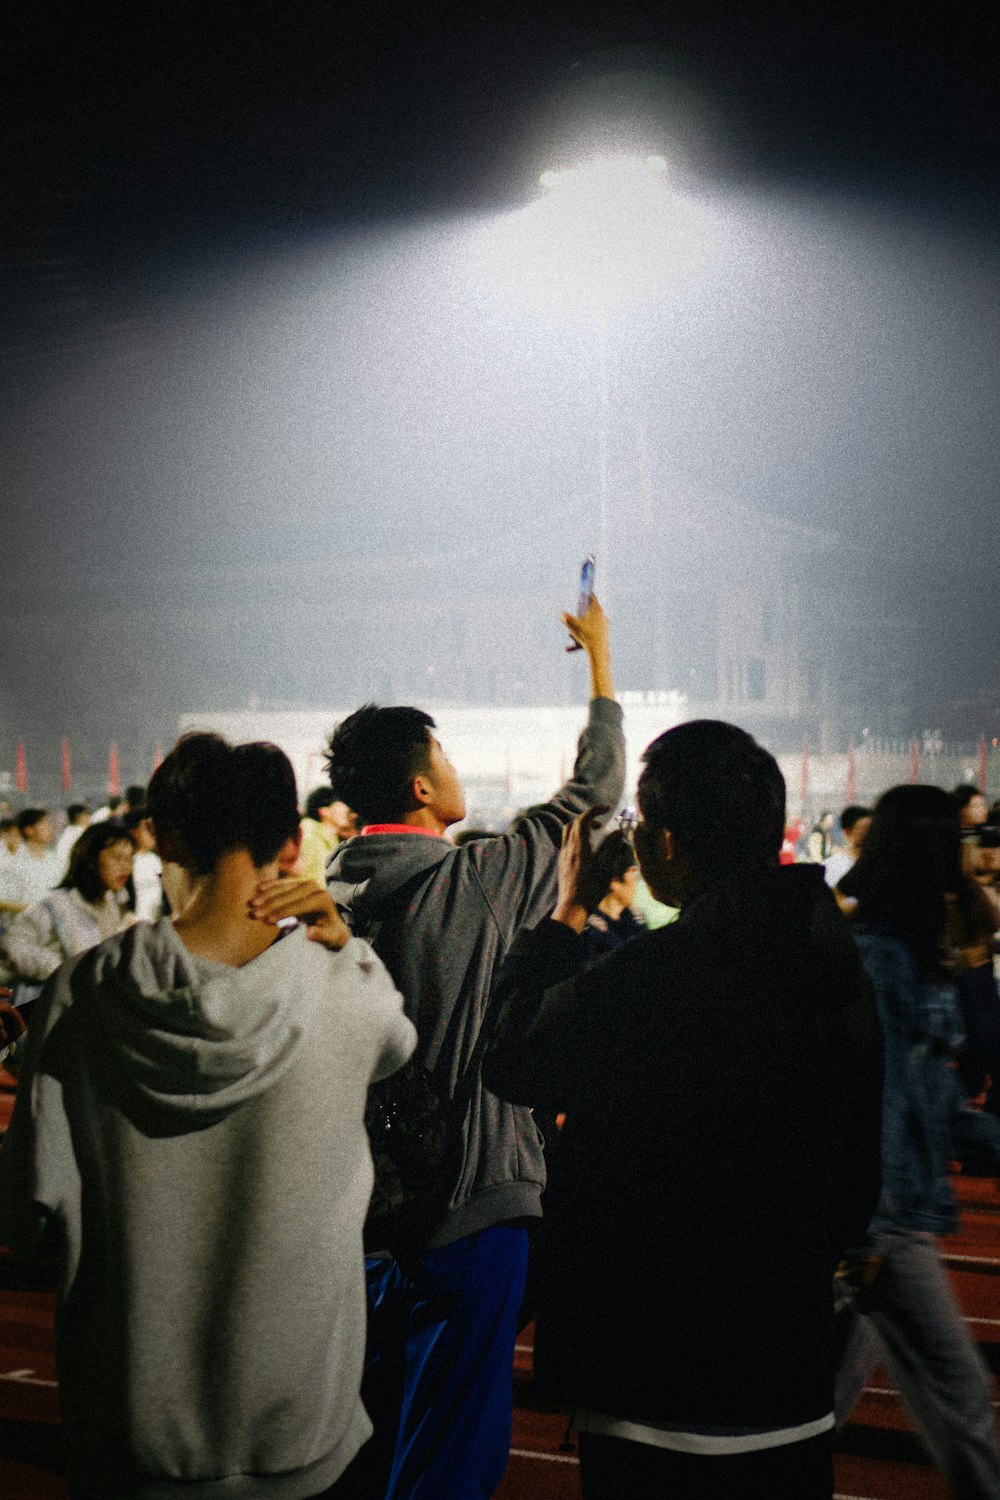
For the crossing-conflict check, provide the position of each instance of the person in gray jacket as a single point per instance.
(189, 1140)
(443, 1315)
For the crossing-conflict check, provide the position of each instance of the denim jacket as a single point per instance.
(923, 1029)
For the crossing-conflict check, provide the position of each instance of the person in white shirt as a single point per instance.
(78, 818)
(82, 912)
(147, 867)
(854, 823)
(37, 870)
(10, 848)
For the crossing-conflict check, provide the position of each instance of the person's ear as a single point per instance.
(422, 790)
(668, 849)
(168, 845)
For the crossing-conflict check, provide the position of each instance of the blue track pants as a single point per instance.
(438, 1380)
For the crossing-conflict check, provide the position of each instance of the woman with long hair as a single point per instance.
(916, 911)
(84, 909)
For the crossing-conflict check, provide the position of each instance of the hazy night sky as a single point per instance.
(266, 320)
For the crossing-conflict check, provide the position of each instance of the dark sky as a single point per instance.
(222, 237)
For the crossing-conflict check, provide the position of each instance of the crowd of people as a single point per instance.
(281, 1075)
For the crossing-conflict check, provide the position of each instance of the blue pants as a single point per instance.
(438, 1381)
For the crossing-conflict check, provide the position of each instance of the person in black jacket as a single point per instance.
(721, 1083)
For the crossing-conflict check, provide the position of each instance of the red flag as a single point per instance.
(851, 789)
(114, 778)
(158, 757)
(914, 762)
(804, 790)
(982, 764)
(67, 769)
(21, 768)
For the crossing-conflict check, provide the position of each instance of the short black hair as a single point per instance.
(215, 798)
(852, 815)
(30, 816)
(75, 809)
(318, 798)
(82, 873)
(964, 793)
(621, 856)
(720, 794)
(135, 794)
(372, 758)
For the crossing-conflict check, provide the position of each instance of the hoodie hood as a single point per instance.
(194, 1037)
(371, 868)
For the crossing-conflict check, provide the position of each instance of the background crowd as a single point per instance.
(753, 1050)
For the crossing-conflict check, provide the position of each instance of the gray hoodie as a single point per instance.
(445, 918)
(189, 1138)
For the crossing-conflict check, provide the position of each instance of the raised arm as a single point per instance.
(591, 632)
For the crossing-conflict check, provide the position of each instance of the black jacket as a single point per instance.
(721, 1079)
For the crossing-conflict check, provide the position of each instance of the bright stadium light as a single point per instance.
(610, 174)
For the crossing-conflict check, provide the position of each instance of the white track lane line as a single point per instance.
(26, 1377)
(549, 1458)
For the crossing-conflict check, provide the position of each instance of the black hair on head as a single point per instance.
(318, 798)
(720, 794)
(909, 872)
(372, 758)
(852, 815)
(213, 798)
(964, 793)
(76, 810)
(622, 856)
(82, 874)
(30, 816)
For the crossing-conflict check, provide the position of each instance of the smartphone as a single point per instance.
(586, 585)
(585, 595)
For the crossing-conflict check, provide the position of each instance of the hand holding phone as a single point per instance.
(585, 594)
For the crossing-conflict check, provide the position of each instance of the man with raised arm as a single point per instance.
(443, 1318)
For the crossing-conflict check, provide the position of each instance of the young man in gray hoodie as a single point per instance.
(189, 1140)
(443, 1318)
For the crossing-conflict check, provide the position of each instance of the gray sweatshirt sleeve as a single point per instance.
(517, 872)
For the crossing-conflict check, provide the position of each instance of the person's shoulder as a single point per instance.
(654, 959)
